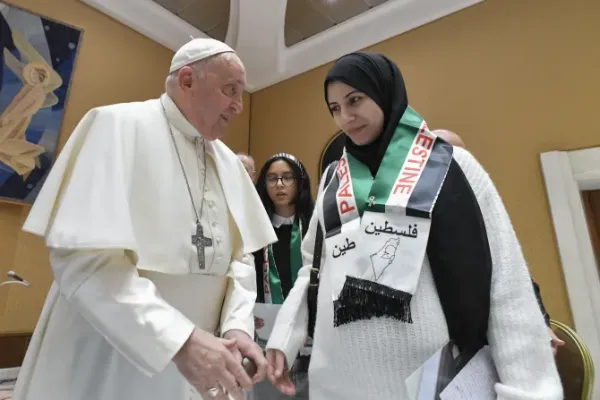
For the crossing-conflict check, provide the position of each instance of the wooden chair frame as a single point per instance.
(588, 363)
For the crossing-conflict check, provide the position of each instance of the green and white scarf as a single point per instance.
(376, 229)
(271, 282)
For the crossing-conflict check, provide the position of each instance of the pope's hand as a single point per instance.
(278, 372)
(246, 347)
(207, 363)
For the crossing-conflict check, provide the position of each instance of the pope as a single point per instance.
(150, 221)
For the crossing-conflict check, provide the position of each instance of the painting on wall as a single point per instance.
(37, 59)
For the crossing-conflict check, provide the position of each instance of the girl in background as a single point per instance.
(284, 188)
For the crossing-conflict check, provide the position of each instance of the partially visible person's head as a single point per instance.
(450, 137)
(365, 93)
(283, 182)
(249, 165)
(207, 81)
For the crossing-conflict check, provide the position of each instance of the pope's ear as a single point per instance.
(185, 77)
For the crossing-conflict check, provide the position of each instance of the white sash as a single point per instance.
(385, 248)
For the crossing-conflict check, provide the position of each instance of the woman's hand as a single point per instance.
(259, 323)
(278, 372)
(555, 341)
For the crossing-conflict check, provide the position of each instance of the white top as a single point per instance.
(278, 220)
(116, 315)
(371, 359)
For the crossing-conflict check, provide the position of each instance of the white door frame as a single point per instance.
(566, 174)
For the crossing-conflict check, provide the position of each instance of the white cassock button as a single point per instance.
(215, 223)
(211, 204)
(218, 240)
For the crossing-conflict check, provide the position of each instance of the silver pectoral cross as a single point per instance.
(201, 242)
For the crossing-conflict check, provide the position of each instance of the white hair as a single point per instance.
(244, 155)
(199, 67)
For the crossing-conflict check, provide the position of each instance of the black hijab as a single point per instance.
(379, 78)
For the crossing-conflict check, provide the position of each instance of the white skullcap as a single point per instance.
(196, 50)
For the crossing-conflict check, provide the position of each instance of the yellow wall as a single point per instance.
(115, 64)
(514, 78)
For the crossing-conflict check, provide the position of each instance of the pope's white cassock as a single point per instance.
(116, 214)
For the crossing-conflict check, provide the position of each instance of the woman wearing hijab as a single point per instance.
(284, 188)
(417, 251)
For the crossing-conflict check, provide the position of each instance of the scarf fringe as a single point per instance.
(362, 299)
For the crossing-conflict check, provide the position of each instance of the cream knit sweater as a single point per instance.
(371, 359)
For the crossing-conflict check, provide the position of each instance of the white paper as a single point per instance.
(264, 320)
(412, 384)
(475, 381)
(437, 379)
(423, 383)
(8, 378)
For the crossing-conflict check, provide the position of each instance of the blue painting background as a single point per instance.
(58, 44)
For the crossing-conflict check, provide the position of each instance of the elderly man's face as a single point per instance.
(213, 100)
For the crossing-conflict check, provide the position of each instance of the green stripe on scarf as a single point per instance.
(365, 185)
(295, 263)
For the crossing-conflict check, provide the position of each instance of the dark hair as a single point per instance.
(303, 200)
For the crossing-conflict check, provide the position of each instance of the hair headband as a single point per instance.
(289, 157)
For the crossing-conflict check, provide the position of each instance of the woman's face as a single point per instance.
(355, 113)
(281, 183)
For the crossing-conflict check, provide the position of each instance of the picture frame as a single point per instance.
(332, 152)
(38, 56)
